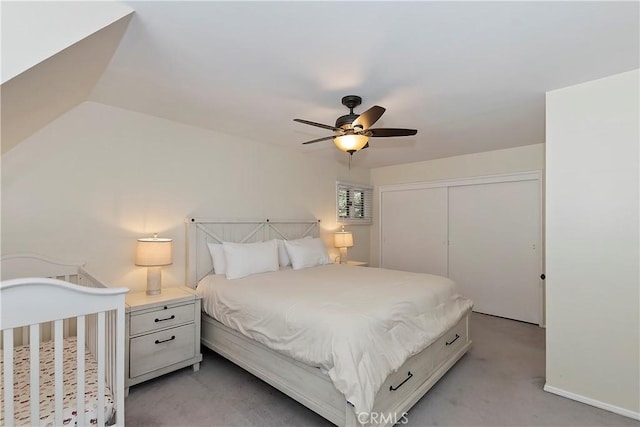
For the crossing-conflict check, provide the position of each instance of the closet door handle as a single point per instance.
(173, 316)
(454, 340)
(173, 337)
(409, 375)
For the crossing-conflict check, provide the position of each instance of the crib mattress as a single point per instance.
(47, 386)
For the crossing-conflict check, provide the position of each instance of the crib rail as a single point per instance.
(101, 332)
(15, 266)
(33, 265)
(98, 319)
(46, 330)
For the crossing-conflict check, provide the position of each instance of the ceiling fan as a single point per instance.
(352, 131)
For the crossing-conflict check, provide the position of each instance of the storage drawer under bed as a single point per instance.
(417, 369)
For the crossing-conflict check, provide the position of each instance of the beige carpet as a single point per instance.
(499, 383)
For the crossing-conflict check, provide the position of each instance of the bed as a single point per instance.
(345, 393)
(64, 330)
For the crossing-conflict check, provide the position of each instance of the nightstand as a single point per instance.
(162, 333)
(358, 263)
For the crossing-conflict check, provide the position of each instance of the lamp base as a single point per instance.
(154, 281)
(343, 255)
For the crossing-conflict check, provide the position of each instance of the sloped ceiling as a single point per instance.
(470, 76)
(52, 57)
(45, 91)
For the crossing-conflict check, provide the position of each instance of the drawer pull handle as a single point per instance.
(454, 340)
(173, 316)
(409, 375)
(173, 337)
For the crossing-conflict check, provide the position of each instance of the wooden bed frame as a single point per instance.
(44, 299)
(309, 385)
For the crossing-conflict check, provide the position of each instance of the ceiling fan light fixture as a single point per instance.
(350, 143)
(352, 131)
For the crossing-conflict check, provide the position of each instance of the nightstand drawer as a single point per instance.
(160, 349)
(162, 318)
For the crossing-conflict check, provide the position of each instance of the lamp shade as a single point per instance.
(350, 142)
(154, 252)
(343, 239)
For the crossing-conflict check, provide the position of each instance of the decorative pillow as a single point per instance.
(307, 253)
(283, 256)
(217, 258)
(244, 259)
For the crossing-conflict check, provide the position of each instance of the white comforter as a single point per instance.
(359, 324)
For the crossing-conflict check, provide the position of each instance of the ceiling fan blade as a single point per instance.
(318, 140)
(320, 125)
(388, 132)
(369, 117)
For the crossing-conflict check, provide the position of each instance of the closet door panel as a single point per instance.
(414, 230)
(494, 248)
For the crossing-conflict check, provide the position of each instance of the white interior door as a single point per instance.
(414, 230)
(494, 248)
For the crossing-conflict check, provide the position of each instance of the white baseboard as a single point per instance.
(592, 402)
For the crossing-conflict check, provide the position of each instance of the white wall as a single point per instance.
(593, 282)
(519, 159)
(90, 183)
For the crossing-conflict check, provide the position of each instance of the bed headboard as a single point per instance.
(200, 231)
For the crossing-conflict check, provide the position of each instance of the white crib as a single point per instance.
(64, 330)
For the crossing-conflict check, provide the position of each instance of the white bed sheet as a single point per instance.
(359, 324)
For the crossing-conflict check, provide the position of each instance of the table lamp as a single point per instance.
(343, 240)
(153, 253)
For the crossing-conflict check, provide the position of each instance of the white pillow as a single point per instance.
(283, 256)
(244, 259)
(217, 258)
(307, 253)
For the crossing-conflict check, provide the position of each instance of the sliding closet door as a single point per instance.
(494, 248)
(414, 230)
